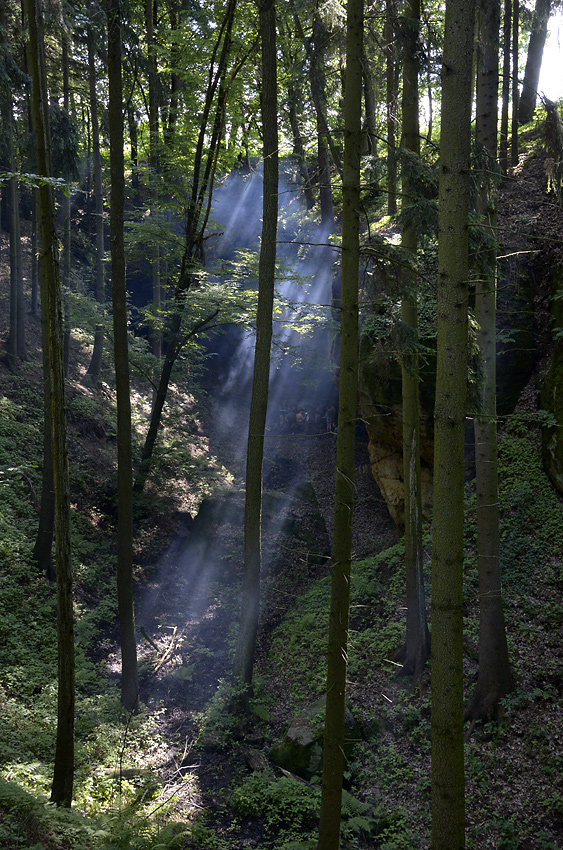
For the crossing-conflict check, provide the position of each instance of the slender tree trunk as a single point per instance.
(495, 678)
(34, 252)
(391, 106)
(95, 367)
(65, 206)
(507, 27)
(448, 804)
(515, 92)
(21, 347)
(42, 550)
(61, 790)
(156, 335)
(250, 609)
(430, 100)
(202, 187)
(12, 350)
(14, 346)
(298, 146)
(129, 674)
(333, 749)
(134, 144)
(527, 104)
(170, 130)
(417, 645)
(370, 101)
(318, 93)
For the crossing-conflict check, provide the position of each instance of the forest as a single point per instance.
(281, 426)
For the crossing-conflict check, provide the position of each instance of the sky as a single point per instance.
(551, 76)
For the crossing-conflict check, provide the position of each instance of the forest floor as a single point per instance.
(202, 775)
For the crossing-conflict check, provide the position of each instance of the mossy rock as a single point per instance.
(300, 751)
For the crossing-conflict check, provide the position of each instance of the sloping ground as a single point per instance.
(187, 758)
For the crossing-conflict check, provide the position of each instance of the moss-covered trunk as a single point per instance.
(448, 785)
(333, 756)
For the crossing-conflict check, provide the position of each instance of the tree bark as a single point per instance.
(129, 673)
(250, 609)
(527, 104)
(156, 335)
(448, 805)
(61, 790)
(333, 749)
(503, 146)
(34, 252)
(495, 677)
(417, 645)
(318, 93)
(65, 206)
(391, 106)
(515, 92)
(95, 367)
(42, 550)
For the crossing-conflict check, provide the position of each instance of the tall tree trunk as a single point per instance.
(61, 790)
(16, 280)
(495, 677)
(129, 674)
(370, 101)
(34, 252)
(298, 145)
(12, 348)
(65, 206)
(170, 129)
(333, 749)
(250, 608)
(318, 93)
(417, 645)
(134, 145)
(42, 550)
(448, 804)
(515, 92)
(156, 335)
(527, 104)
(95, 367)
(391, 106)
(507, 27)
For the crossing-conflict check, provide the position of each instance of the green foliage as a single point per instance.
(287, 806)
(531, 513)
(299, 644)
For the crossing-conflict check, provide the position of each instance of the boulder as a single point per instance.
(300, 751)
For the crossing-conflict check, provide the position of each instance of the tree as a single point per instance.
(417, 643)
(317, 55)
(528, 97)
(129, 674)
(495, 677)
(95, 366)
(507, 29)
(448, 805)
(204, 167)
(391, 106)
(515, 92)
(61, 789)
(156, 335)
(9, 75)
(244, 656)
(333, 755)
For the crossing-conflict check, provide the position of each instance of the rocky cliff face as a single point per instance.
(384, 425)
(523, 207)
